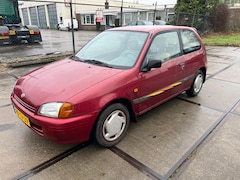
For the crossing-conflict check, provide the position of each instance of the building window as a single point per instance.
(33, 16)
(143, 15)
(25, 16)
(127, 17)
(151, 16)
(52, 13)
(87, 19)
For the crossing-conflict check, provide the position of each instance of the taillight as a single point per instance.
(4, 34)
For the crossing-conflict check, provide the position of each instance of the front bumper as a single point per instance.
(71, 130)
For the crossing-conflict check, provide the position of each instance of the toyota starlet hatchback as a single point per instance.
(117, 76)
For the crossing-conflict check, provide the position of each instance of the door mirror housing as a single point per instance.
(152, 64)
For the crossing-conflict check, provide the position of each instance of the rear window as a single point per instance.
(190, 41)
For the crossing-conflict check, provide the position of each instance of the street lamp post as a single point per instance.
(154, 16)
(122, 13)
(73, 40)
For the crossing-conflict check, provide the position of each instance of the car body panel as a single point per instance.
(45, 80)
(152, 85)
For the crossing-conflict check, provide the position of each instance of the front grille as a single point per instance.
(24, 104)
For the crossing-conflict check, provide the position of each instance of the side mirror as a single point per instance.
(152, 64)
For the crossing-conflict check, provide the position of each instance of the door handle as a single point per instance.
(182, 64)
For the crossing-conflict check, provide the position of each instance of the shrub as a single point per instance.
(221, 18)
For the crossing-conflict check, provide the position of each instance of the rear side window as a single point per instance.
(190, 41)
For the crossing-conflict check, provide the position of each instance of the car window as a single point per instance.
(133, 23)
(140, 23)
(103, 45)
(118, 49)
(190, 41)
(164, 47)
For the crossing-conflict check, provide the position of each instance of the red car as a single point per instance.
(119, 75)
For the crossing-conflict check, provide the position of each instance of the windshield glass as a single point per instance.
(117, 49)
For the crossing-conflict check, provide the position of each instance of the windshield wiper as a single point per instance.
(76, 58)
(100, 63)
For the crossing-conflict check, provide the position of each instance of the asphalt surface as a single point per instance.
(53, 41)
(55, 45)
(185, 138)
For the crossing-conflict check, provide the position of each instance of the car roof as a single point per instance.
(151, 29)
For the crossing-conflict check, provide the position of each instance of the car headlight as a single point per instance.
(56, 109)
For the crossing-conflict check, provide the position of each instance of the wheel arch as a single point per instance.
(125, 102)
(204, 70)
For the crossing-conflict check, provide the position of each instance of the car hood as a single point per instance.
(60, 81)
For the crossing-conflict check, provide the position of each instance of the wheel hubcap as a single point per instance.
(198, 83)
(114, 125)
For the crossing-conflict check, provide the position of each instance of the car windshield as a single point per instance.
(116, 49)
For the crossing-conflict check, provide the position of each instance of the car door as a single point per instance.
(191, 46)
(160, 84)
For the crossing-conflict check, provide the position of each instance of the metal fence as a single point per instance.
(205, 23)
(234, 20)
(201, 22)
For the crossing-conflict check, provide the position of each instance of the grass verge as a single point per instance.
(222, 39)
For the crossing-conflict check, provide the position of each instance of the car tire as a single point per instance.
(112, 125)
(196, 85)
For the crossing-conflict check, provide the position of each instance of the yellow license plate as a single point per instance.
(12, 32)
(22, 117)
(31, 31)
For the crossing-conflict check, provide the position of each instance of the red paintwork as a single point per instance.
(91, 88)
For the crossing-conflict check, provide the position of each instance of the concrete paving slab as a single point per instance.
(231, 74)
(6, 85)
(214, 67)
(223, 51)
(219, 158)
(163, 136)
(221, 59)
(17, 72)
(21, 149)
(91, 163)
(217, 94)
(237, 109)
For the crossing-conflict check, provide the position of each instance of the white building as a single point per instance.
(48, 15)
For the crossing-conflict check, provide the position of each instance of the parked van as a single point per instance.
(67, 25)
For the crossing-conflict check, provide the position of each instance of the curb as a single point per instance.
(32, 60)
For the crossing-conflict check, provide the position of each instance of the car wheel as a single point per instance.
(112, 124)
(196, 85)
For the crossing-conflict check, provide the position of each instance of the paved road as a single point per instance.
(53, 41)
(186, 138)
